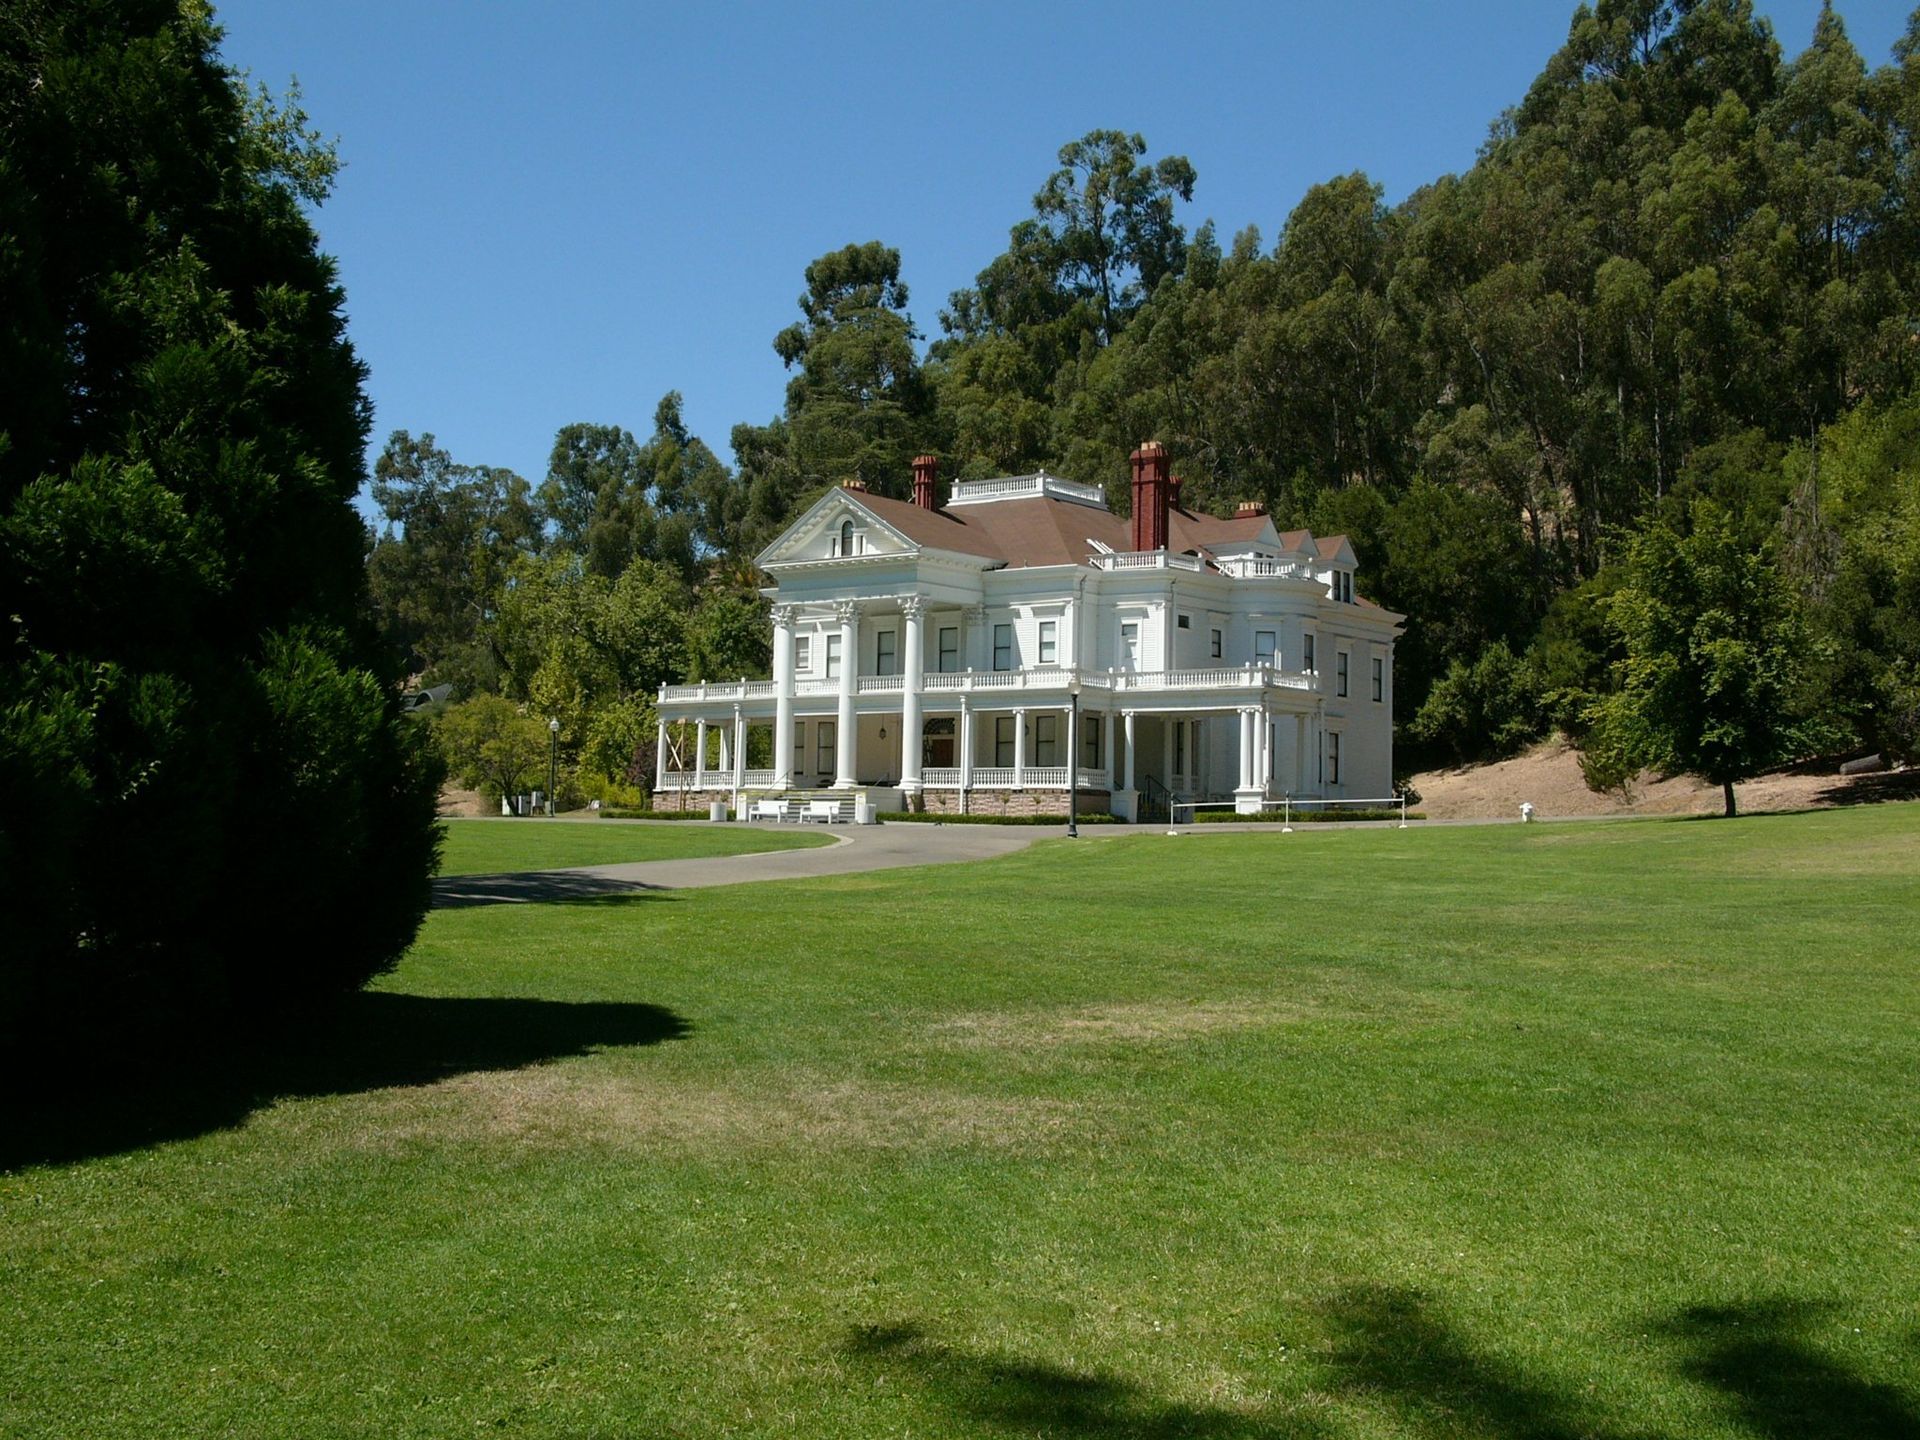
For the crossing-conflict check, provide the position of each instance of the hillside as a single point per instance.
(1548, 778)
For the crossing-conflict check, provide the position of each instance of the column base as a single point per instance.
(1249, 802)
(909, 787)
(1126, 804)
(846, 784)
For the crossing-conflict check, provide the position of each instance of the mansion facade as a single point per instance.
(961, 655)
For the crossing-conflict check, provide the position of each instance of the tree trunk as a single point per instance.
(1727, 787)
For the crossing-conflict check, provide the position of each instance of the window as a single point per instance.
(846, 538)
(1263, 647)
(823, 746)
(1090, 756)
(799, 744)
(1049, 642)
(802, 654)
(1130, 644)
(1184, 622)
(936, 748)
(1179, 747)
(1046, 739)
(1215, 644)
(1003, 741)
(886, 653)
(833, 657)
(949, 648)
(1003, 647)
(1339, 672)
(1333, 757)
(1346, 586)
(1379, 678)
(1307, 662)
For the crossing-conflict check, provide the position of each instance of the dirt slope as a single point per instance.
(1548, 776)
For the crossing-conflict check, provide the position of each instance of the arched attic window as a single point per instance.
(846, 537)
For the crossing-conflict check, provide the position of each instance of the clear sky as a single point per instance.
(553, 213)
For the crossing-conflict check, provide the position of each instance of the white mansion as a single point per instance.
(962, 656)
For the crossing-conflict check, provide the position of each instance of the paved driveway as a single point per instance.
(864, 847)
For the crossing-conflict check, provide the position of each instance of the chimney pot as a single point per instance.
(859, 485)
(1248, 508)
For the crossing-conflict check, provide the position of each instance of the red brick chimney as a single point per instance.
(1152, 492)
(926, 472)
(1249, 509)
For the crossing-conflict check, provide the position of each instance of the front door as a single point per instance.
(936, 750)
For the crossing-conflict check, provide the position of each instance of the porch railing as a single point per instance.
(1053, 682)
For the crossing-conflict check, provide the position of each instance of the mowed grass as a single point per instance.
(1604, 1131)
(497, 847)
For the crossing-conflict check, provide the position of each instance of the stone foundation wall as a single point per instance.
(1013, 802)
(696, 801)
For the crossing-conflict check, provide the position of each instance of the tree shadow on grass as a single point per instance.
(1030, 1397)
(368, 1041)
(459, 892)
(1394, 1351)
(1776, 1383)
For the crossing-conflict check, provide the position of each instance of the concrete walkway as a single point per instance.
(864, 847)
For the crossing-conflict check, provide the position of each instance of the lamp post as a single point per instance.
(553, 762)
(1073, 762)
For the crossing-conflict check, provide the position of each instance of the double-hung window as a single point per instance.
(1379, 678)
(833, 657)
(1003, 647)
(1214, 644)
(802, 654)
(886, 653)
(949, 648)
(1339, 672)
(1263, 646)
(1307, 662)
(1130, 644)
(1090, 742)
(1333, 757)
(823, 747)
(1003, 741)
(1049, 642)
(1046, 739)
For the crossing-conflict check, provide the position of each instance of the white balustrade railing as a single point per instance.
(1045, 777)
(756, 779)
(993, 777)
(1145, 560)
(1054, 683)
(1026, 487)
(1034, 777)
(941, 777)
(1248, 567)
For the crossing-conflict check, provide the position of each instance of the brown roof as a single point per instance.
(1018, 532)
(1055, 532)
(1329, 545)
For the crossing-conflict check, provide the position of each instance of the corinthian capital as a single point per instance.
(846, 611)
(913, 606)
(785, 615)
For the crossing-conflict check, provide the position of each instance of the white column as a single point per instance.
(726, 751)
(848, 614)
(1166, 751)
(700, 755)
(1127, 774)
(913, 608)
(1019, 749)
(966, 745)
(739, 751)
(783, 696)
(1299, 754)
(1246, 752)
(1266, 750)
(660, 758)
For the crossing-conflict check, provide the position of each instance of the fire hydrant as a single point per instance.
(1526, 813)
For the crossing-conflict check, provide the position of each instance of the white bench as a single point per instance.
(775, 810)
(825, 811)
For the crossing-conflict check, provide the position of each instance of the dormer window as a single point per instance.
(845, 547)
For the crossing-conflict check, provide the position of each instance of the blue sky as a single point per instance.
(553, 213)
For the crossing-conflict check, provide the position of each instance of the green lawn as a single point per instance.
(1548, 1132)
(496, 847)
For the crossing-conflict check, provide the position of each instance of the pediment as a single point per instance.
(830, 523)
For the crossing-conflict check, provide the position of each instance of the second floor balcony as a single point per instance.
(1054, 683)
